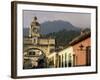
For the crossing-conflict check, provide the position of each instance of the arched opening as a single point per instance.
(35, 58)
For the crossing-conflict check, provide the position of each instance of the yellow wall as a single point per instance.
(65, 53)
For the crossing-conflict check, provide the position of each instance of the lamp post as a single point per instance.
(87, 53)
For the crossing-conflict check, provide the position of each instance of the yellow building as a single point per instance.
(66, 57)
(52, 60)
(36, 48)
(62, 58)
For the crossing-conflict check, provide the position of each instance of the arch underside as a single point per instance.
(38, 60)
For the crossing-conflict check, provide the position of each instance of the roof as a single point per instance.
(80, 38)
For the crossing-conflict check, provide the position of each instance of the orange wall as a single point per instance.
(81, 54)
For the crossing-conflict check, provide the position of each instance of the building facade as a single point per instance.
(66, 57)
(77, 53)
(62, 58)
(82, 49)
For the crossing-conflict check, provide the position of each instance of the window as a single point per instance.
(35, 30)
(34, 40)
(88, 56)
(31, 53)
(74, 60)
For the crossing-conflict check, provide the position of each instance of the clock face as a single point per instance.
(35, 30)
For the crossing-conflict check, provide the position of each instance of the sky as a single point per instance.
(81, 20)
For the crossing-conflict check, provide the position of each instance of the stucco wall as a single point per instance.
(81, 54)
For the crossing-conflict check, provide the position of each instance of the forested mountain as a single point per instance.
(63, 37)
(52, 26)
(55, 26)
(62, 31)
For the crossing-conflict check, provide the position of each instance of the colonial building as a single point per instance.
(36, 48)
(77, 53)
(82, 49)
(62, 58)
(52, 60)
(66, 57)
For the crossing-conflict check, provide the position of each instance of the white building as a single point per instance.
(66, 57)
(63, 58)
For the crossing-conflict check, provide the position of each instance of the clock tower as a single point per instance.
(36, 47)
(34, 30)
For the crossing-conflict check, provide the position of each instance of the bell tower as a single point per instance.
(34, 30)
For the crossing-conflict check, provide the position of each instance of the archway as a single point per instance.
(34, 58)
